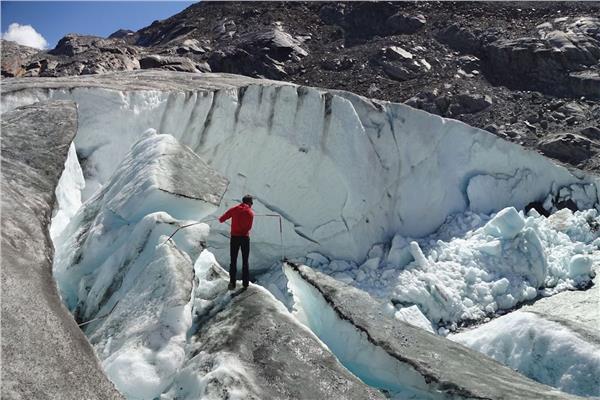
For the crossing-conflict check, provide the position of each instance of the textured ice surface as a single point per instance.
(246, 345)
(163, 326)
(68, 194)
(544, 350)
(118, 274)
(44, 353)
(390, 354)
(477, 264)
(345, 172)
(158, 178)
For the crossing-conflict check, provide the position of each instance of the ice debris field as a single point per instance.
(423, 213)
(476, 264)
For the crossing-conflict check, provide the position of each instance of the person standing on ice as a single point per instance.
(241, 223)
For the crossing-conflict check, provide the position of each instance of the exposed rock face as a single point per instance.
(84, 55)
(121, 33)
(555, 64)
(569, 148)
(14, 57)
(449, 105)
(260, 54)
(44, 353)
(400, 23)
(444, 366)
(182, 64)
(561, 62)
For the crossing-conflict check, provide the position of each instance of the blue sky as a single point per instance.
(54, 19)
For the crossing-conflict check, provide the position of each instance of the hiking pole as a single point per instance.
(280, 232)
(187, 226)
(98, 318)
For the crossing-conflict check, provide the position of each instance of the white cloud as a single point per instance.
(25, 35)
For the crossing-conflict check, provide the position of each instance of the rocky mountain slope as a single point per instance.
(527, 72)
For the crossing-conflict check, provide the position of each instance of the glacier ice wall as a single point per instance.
(344, 172)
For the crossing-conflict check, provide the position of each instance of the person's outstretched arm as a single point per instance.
(225, 216)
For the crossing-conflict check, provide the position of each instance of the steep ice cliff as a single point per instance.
(345, 172)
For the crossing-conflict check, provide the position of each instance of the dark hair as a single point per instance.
(247, 199)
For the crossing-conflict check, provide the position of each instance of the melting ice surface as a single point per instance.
(345, 173)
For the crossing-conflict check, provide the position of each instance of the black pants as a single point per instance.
(235, 244)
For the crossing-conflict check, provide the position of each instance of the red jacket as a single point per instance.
(241, 219)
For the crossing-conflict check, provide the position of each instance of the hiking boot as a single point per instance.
(231, 286)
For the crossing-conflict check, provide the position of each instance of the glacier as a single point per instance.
(546, 350)
(376, 194)
(408, 361)
(40, 340)
(475, 265)
(155, 305)
(345, 172)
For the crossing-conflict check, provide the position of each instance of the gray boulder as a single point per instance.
(467, 103)
(568, 147)
(591, 132)
(400, 23)
(181, 64)
(258, 54)
(44, 353)
(449, 105)
(429, 101)
(589, 26)
(277, 44)
(464, 39)
(398, 72)
(400, 64)
(338, 64)
(396, 53)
